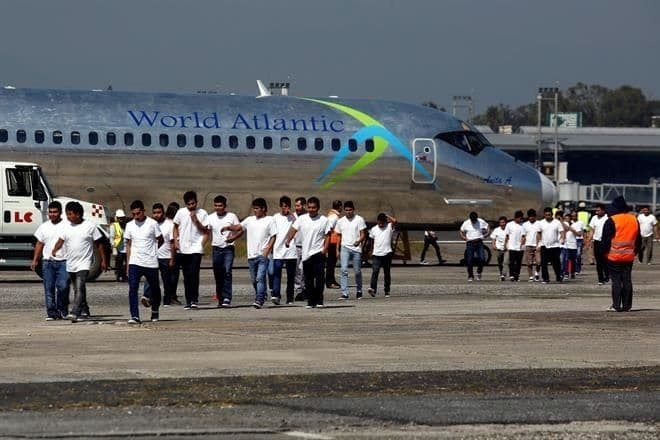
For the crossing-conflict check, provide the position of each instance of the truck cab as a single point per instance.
(24, 198)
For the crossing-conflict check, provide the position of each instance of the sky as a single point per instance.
(497, 51)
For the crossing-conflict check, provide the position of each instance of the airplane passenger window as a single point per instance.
(268, 143)
(215, 141)
(318, 144)
(250, 142)
(181, 140)
(233, 142)
(146, 139)
(75, 137)
(163, 140)
(110, 138)
(352, 145)
(93, 138)
(21, 136)
(39, 136)
(302, 144)
(369, 145)
(199, 140)
(284, 143)
(128, 139)
(4, 135)
(57, 137)
(336, 144)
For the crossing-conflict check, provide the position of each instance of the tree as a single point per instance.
(624, 107)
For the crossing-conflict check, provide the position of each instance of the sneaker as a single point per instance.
(387, 294)
(85, 314)
(194, 305)
(371, 292)
(441, 262)
(50, 318)
(424, 262)
(154, 316)
(72, 317)
(478, 277)
(225, 303)
(134, 320)
(309, 307)
(600, 283)
(531, 280)
(343, 297)
(146, 302)
(611, 309)
(288, 303)
(275, 300)
(187, 307)
(319, 306)
(537, 277)
(257, 305)
(470, 279)
(502, 277)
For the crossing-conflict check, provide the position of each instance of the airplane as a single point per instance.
(421, 165)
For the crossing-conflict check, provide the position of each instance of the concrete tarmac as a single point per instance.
(439, 352)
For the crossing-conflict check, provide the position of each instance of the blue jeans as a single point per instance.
(258, 271)
(568, 255)
(56, 288)
(136, 272)
(347, 255)
(223, 261)
(290, 266)
(474, 253)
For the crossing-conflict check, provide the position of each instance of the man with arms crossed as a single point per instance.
(352, 231)
(223, 249)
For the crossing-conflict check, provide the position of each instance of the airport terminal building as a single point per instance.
(593, 154)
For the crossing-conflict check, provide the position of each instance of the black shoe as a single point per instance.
(154, 316)
(175, 301)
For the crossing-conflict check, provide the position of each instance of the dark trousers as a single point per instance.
(377, 262)
(314, 279)
(552, 256)
(223, 261)
(120, 266)
(190, 265)
(150, 274)
(601, 262)
(170, 277)
(515, 263)
(330, 265)
(428, 241)
(290, 266)
(474, 254)
(622, 288)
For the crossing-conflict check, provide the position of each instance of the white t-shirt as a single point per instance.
(550, 232)
(313, 232)
(79, 243)
(515, 233)
(167, 229)
(597, 224)
(350, 231)
(49, 233)
(474, 230)
(579, 227)
(499, 234)
(646, 224)
(571, 239)
(259, 231)
(382, 239)
(190, 237)
(282, 225)
(216, 223)
(530, 230)
(144, 242)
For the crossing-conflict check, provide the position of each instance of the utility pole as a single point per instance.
(464, 101)
(548, 94)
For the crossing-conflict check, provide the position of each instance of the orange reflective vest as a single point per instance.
(626, 229)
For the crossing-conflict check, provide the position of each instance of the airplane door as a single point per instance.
(424, 160)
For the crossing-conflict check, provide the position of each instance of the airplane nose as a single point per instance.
(548, 191)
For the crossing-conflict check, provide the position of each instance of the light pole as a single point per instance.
(548, 94)
(464, 102)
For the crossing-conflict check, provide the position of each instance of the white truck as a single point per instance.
(24, 198)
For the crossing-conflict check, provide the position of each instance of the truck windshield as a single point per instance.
(44, 186)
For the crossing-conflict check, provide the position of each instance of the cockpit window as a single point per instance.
(469, 141)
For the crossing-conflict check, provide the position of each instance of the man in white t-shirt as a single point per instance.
(532, 253)
(190, 234)
(143, 238)
(79, 238)
(166, 254)
(223, 249)
(351, 231)
(596, 224)
(514, 243)
(473, 230)
(569, 252)
(284, 257)
(647, 227)
(549, 238)
(300, 208)
(499, 245)
(53, 268)
(314, 230)
(381, 255)
(261, 233)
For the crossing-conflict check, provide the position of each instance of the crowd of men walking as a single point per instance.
(306, 245)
